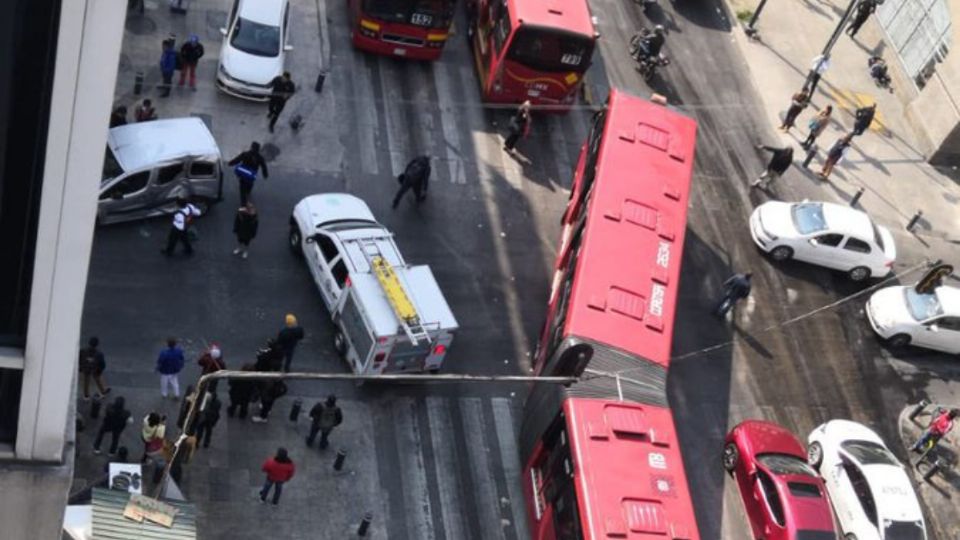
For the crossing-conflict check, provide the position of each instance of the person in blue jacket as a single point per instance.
(168, 64)
(169, 364)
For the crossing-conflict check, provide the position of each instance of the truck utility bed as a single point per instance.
(421, 288)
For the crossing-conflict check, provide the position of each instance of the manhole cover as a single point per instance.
(140, 24)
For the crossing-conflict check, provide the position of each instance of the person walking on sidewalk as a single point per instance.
(280, 470)
(92, 365)
(152, 434)
(734, 289)
(115, 419)
(144, 112)
(168, 63)
(779, 163)
(207, 419)
(818, 66)
(938, 428)
(180, 227)
(190, 54)
(270, 392)
(324, 417)
(169, 364)
(863, 118)
(519, 126)
(798, 103)
(118, 117)
(245, 228)
(241, 393)
(281, 89)
(288, 337)
(245, 166)
(415, 176)
(835, 154)
(864, 9)
(817, 125)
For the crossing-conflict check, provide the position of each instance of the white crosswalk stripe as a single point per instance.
(445, 463)
(413, 475)
(453, 146)
(366, 122)
(510, 460)
(478, 453)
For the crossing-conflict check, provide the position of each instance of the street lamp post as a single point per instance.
(750, 30)
(812, 78)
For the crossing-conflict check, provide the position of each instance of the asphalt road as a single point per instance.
(488, 230)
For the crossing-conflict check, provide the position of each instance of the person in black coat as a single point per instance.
(246, 164)
(207, 418)
(288, 337)
(415, 176)
(864, 9)
(519, 126)
(270, 392)
(864, 117)
(115, 419)
(118, 117)
(323, 418)
(281, 89)
(270, 358)
(245, 227)
(734, 289)
(190, 54)
(241, 393)
(779, 163)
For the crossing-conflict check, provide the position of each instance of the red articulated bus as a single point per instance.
(531, 49)
(416, 29)
(601, 457)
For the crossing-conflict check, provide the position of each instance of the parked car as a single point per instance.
(827, 234)
(388, 315)
(902, 316)
(870, 491)
(149, 164)
(782, 495)
(254, 46)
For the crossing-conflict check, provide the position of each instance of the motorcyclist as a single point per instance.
(652, 42)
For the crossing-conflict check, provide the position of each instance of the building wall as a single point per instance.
(36, 470)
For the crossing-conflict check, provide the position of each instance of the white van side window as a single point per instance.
(202, 169)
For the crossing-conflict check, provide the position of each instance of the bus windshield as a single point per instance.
(425, 13)
(547, 49)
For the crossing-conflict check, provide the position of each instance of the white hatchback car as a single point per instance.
(902, 316)
(869, 489)
(827, 234)
(252, 54)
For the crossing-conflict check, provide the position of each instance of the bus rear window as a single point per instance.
(424, 13)
(546, 49)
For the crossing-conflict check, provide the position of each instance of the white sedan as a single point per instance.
(869, 489)
(827, 234)
(902, 316)
(252, 54)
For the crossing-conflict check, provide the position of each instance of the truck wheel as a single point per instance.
(295, 241)
(340, 343)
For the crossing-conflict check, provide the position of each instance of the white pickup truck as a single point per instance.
(389, 316)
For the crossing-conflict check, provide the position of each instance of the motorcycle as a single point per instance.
(646, 64)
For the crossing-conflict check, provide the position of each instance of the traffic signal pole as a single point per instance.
(811, 79)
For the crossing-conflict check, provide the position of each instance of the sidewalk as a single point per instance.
(884, 160)
(937, 491)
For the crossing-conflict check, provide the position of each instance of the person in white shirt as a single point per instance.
(180, 226)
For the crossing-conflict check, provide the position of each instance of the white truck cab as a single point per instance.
(389, 316)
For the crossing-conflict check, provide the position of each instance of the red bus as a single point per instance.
(416, 29)
(601, 458)
(531, 49)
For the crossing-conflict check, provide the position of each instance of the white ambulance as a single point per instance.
(389, 316)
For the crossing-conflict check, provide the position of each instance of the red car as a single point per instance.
(782, 495)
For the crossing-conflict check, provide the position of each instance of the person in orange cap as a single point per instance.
(288, 337)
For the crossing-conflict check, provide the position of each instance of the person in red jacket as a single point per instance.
(279, 470)
(940, 426)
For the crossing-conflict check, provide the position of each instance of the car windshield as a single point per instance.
(904, 530)
(255, 38)
(547, 49)
(804, 489)
(922, 306)
(808, 217)
(869, 453)
(781, 464)
(425, 13)
(816, 535)
(111, 167)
